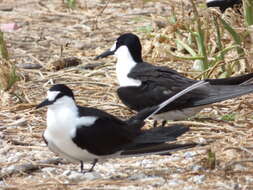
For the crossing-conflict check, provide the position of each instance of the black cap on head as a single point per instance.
(131, 41)
(62, 90)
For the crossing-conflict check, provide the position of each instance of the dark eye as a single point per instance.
(117, 44)
(59, 96)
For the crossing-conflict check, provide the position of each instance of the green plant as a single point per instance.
(145, 29)
(3, 49)
(229, 117)
(211, 159)
(71, 3)
(8, 74)
(248, 12)
(208, 38)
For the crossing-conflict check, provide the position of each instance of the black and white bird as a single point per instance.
(144, 85)
(84, 134)
(223, 4)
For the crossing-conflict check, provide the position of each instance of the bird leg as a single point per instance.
(92, 167)
(81, 166)
(164, 123)
(155, 123)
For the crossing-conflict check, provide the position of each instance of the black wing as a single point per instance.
(161, 83)
(158, 84)
(106, 136)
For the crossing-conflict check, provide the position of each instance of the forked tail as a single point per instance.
(149, 112)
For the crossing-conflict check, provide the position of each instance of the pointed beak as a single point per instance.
(44, 103)
(105, 54)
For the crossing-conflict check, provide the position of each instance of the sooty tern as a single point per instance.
(223, 4)
(145, 85)
(84, 134)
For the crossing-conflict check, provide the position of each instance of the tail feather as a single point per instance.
(238, 80)
(154, 141)
(219, 93)
(161, 134)
(163, 148)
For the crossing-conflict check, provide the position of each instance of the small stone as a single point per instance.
(66, 173)
(91, 175)
(188, 155)
(130, 188)
(198, 179)
(49, 170)
(147, 163)
(175, 182)
(5, 150)
(239, 167)
(175, 175)
(8, 170)
(202, 140)
(249, 179)
(1, 135)
(15, 157)
(76, 176)
(189, 187)
(137, 176)
(155, 180)
(197, 167)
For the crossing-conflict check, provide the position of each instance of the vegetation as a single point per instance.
(8, 75)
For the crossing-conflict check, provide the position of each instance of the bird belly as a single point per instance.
(59, 133)
(178, 114)
(65, 147)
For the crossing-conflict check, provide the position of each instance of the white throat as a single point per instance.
(124, 65)
(61, 115)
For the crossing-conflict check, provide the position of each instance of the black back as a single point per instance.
(107, 135)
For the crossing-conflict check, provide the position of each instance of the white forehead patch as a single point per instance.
(51, 95)
(113, 48)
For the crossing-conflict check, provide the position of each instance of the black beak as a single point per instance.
(105, 54)
(44, 103)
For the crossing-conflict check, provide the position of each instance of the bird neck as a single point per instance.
(125, 63)
(62, 115)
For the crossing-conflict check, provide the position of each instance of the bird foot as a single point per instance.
(162, 125)
(89, 170)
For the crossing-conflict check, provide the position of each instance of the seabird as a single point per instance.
(144, 85)
(88, 134)
(223, 4)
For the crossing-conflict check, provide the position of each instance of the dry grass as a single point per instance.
(49, 32)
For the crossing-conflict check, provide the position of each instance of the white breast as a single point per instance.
(61, 128)
(124, 65)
